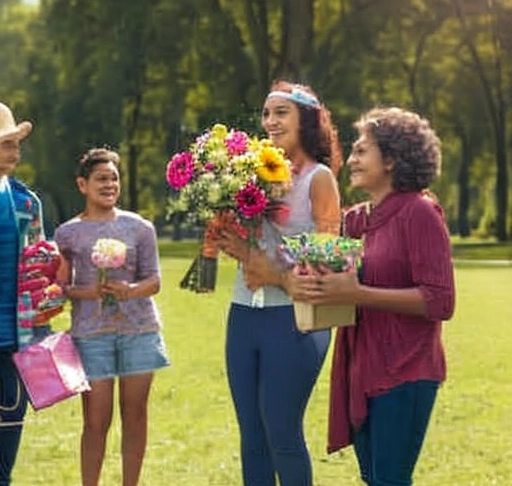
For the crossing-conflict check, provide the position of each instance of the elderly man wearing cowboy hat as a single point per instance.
(20, 224)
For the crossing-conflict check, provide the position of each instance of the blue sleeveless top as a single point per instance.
(8, 267)
(300, 220)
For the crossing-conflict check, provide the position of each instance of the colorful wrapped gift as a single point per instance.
(318, 250)
(40, 298)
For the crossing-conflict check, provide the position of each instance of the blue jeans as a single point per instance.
(272, 369)
(111, 355)
(13, 405)
(388, 444)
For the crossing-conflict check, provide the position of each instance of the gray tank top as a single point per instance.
(300, 220)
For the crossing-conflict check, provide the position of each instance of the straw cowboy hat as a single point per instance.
(9, 128)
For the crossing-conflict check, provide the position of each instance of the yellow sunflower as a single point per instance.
(273, 166)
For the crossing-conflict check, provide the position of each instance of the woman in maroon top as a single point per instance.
(387, 369)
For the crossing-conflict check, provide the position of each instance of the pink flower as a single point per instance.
(209, 166)
(237, 142)
(108, 253)
(180, 170)
(251, 201)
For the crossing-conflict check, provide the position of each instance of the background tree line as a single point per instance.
(145, 76)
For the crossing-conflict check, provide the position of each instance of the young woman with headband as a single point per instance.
(272, 367)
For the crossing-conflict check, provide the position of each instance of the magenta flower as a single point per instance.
(209, 166)
(180, 170)
(251, 201)
(237, 142)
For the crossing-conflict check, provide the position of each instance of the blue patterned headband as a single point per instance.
(298, 95)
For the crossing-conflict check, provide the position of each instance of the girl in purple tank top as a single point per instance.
(115, 323)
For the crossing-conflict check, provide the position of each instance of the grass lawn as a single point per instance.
(193, 438)
(481, 250)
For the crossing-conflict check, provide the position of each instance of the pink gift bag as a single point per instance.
(51, 370)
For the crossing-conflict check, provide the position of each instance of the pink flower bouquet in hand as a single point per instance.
(227, 176)
(108, 253)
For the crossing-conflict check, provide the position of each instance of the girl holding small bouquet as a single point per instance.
(272, 367)
(110, 271)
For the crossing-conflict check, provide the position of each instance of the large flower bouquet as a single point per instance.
(226, 179)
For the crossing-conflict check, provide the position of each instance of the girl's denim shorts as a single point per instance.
(111, 355)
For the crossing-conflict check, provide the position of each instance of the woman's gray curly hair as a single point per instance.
(407, 139)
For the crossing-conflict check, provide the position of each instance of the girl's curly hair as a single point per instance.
(317, 134)
(93, 157)
(407, 139)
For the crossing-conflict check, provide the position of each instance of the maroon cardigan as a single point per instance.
(406, 244)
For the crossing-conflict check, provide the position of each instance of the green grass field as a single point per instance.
(193, 438)
(469, 249)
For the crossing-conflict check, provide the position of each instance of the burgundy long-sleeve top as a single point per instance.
(406, 244)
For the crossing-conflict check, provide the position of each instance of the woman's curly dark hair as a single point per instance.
(317, 134)
(93, 157)
(407, 139)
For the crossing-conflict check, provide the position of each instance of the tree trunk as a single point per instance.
(297, 39)
(501, 183)
(256, 16)
(133, 193)
(463, 180)
(492, 87)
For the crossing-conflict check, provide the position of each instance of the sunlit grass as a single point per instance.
(193, 433)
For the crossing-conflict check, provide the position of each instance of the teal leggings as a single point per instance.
(272, 369)
(388, 444)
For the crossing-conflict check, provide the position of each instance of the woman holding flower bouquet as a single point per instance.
(272, 367)
(110, 271)
(387, 369)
